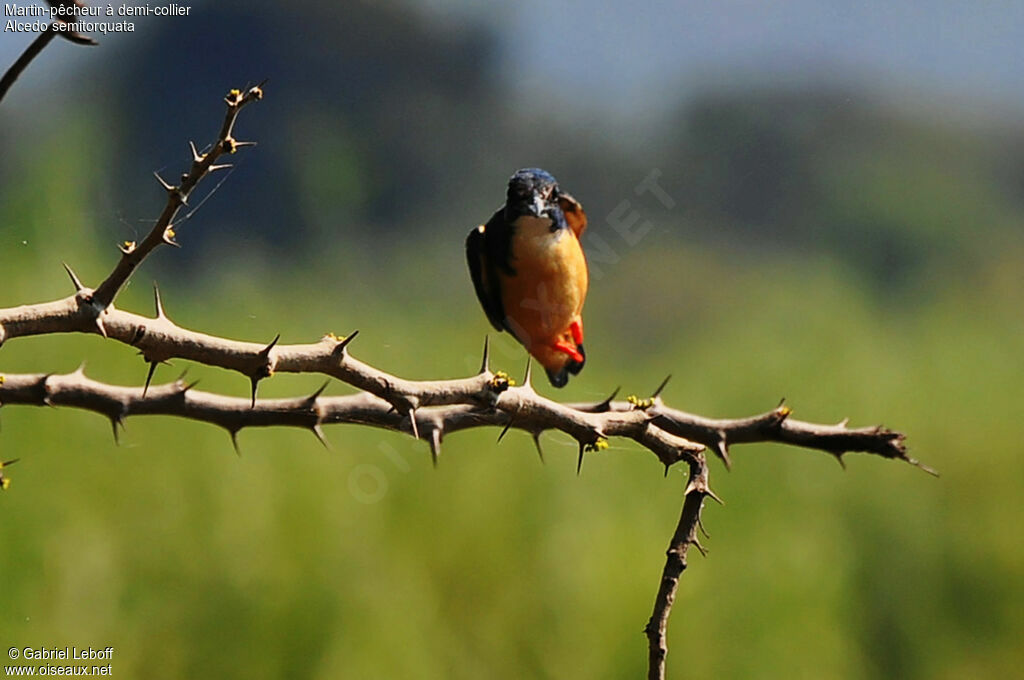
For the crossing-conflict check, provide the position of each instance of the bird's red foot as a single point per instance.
(576, 328)
(564, 347)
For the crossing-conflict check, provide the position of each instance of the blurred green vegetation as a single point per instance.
(857, 261)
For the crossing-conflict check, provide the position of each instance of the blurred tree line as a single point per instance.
(385, 121)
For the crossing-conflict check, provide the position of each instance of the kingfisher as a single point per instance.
(530, 274)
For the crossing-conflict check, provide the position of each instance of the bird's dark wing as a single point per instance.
(573, 211)
(484, 275)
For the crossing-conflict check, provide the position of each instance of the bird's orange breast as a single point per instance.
(547, 292)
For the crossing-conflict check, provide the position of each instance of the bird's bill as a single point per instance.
(538, 206)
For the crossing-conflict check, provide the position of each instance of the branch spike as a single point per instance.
(661, 387)
(605, 405)
(265, 352)
(536, 443)
(74, 278)
(721, 449)
(318, 432)
(508, 426)
(345, 341)
(435, 445)
(157, 302)
(485, 365)
(311, 399)
(918, 464)
(691, 486)
(167, 187)
(149, 377)
(114, 422)
(700, 525)
(167, 238)
(412, 423)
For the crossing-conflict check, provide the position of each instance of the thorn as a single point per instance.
(667, 466)
(74, 279)
(657, 392)
(157, 302)
(843, 423)
(508, 426)
(605, 405)
(101, 327)
(721, 449)
(412, 423)
(700, 525)
(485, 365)
(696, 544)
(311, 399)
(319, 434)
(254, 382)
(149, 377)
(8, 462)
(234, 442)
(185, 388)
(220, 166)
(691, 486)
(265, 352)
(918, 464)
(80, 371)
(167, 187)
(196, 156)
(782, 402)
(839, 458)
(579, 460)
(114, 422)
(168, 238)
(713, 496)
(528, 376)
(536, 443)
(435, 445)
(340, 347)
(504, 431)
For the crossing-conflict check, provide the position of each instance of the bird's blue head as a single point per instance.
(534, 192)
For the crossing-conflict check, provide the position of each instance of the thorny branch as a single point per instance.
(33, 51)
(425, 409)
